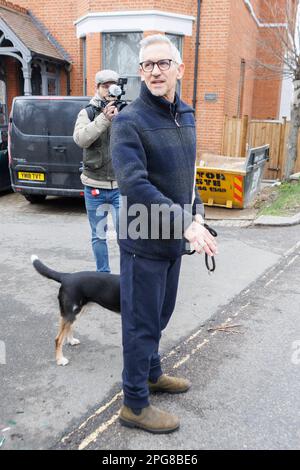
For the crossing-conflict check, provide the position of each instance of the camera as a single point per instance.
(117, 91)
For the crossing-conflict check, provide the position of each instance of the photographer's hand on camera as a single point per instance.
(110, 111)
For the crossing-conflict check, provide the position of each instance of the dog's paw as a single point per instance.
(73, 341)
(62, 362)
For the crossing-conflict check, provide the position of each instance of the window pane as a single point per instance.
(51, 86)
(121, 53)
(67, 112)
(177, 41)
(51, 68)
(36, 80)
(132, 88)
(30, 117)
(46, 117)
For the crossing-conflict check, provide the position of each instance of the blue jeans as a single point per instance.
(97, 208)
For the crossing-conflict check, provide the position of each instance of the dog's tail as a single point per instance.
(45, 271)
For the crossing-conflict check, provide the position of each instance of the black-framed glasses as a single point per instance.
(163, 64)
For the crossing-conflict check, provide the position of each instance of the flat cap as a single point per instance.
(104, 76)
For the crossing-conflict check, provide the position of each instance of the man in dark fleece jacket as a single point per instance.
(153, 145)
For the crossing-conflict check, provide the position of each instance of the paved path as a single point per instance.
(41, 402)
(244, 364)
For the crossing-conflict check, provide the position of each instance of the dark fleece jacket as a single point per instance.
(153, 146)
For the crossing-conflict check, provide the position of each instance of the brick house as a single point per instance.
(57, 47)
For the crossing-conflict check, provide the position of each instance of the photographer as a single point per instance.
(92, 133)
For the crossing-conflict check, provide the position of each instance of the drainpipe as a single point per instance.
(68, 70)
(68, 83)
(196, 54)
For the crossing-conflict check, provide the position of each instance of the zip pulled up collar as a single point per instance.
(177, 107)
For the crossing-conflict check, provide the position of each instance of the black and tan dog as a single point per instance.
(76, 290)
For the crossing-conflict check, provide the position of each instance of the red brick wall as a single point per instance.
(176, 6)
(12, 5)
(93, 52)
(227, 34)
(268, 83)
(214, 34)
(13, 85)
(243, 32)
(63, 82)
(58, 17)
(82, 7)
(267, 90)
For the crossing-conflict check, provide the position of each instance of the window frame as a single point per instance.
(117, 33)
(180, 36)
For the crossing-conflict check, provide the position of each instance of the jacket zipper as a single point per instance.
(180, 136)
(175, 118)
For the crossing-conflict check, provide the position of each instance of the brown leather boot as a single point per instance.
(168, 384)
(150, 419)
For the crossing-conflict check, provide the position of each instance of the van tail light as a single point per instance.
(9, 144)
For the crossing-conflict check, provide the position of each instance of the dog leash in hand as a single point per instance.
(209, 268)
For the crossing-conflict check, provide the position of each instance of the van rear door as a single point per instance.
(45, 159)
(64, 156)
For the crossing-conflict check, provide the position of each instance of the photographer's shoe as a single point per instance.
(149, 419)
(168, 384)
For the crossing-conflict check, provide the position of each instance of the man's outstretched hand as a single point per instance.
(200, 239)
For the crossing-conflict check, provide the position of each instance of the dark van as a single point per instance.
(43, 158)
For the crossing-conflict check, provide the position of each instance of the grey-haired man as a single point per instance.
(154, 151)
(92, 133)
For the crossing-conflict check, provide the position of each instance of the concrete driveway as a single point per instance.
(41, 402)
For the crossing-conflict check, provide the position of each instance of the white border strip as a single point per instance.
(138, 20)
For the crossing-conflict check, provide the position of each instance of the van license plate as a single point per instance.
(22, 175)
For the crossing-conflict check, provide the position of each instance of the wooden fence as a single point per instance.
(240, 134)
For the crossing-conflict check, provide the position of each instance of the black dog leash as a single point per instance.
(209, 268)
